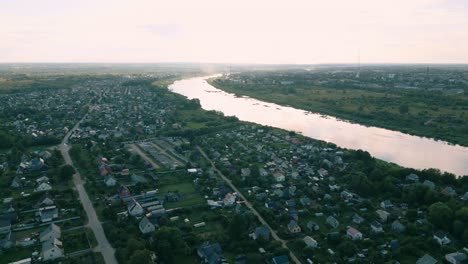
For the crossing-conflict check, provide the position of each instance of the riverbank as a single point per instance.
(424, 114)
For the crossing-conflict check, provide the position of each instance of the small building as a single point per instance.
(441, 238)
(383, 215)
(426, 259)
(210, 253)
(146, 226)
(47, 214)
(51, 249)
(51, 232)
(332, 222)
(109, 181)
(43, 187)
(310, 242)
(456, 258)
(398, 227)
(261, 232)
(412, 177)
(353, 233)
(376, 227)
(283, 259)
(293, 227)
(134, 208)
(313, 226)
(386, 205)
(357, 219)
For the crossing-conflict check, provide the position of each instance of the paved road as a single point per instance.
(250, 206)
(104, 247)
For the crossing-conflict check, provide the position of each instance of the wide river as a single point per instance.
(403, 149)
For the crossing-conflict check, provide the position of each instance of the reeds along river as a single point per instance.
(403, 149)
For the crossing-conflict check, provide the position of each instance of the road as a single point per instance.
(103, 245)
(250, 206)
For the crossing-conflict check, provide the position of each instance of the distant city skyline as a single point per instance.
(208, 31)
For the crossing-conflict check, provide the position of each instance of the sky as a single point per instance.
(235, 31)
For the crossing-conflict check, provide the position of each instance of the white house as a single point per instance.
(43, 187)
(52, 249)
(109, 181)
(310, 242)
(53, 231)
(146, 226)
(134, 208)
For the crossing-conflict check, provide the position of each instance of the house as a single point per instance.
(332, 222)
(279, 176)
(322, 172)
(312, 226)
(47, 214)
(305, 201)
(293, 227)
(441, 238)
(412, 178)
(43, 187)
(134, 208)
(263, 172)
(146, 226)
(51, 232)
(45, 200)
(261, 232)
(357, 219)
(376, 227)
(210, 253)
(398, 227)
(283, 259)
(245, 172)
(37, 164)
(171, 197)
(386, 205)
(449, 191)
(124, 193)
(16, 183)
(310, 242)
(136, 179)
(429, 184)
(383, 215)
(42, 179)
(456, 258)
(51, 249)
(109, 181)
(426, 259)
(353, 233)
(345, 195)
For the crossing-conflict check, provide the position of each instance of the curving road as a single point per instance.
(104, 247)
(250, 206)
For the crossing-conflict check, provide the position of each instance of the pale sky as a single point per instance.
(236, 31)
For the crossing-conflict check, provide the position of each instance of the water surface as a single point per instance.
(403, 149)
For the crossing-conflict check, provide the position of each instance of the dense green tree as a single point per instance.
(66, 172)
(440, 215)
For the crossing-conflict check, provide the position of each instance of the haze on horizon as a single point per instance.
(261, 31)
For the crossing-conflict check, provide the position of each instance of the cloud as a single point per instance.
(164, 30)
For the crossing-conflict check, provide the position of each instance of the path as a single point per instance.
(250, 206)
(142, 154)
(103, 245)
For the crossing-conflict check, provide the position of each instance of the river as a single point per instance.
(393, 146)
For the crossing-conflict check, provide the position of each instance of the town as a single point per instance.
(172, 183)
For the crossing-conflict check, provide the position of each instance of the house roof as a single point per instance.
(426, 259)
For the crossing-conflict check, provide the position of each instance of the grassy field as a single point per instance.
(424, 113)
